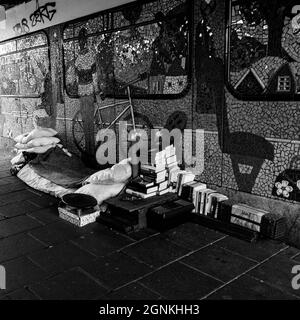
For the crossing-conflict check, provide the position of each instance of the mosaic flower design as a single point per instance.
(283, 188)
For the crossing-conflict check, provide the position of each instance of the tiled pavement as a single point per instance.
(47, 258)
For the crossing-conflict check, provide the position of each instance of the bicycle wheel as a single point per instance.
(78, 131)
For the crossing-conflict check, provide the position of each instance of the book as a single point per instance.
(207, 202)
(162, 192)
(213, 207)
(178, 178)
(170, 151)
(171, 165)
(139, 194)
(195, 193)
(143, 189)
(144, 182)
(160, 157)
(171, 160)
(155, 177)
(163, 185)
(252, 225)
(152, 168)
(184, 178)
(247, 216)
(173, 173)
(202, 200)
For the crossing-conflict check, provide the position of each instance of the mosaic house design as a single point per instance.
(152, 40)
(24, 66)
(264, 49)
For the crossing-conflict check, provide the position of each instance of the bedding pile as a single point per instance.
(43, 164)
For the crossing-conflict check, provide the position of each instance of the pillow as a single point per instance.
(40, 149)
(101, 192)
(39, 133)
(44, 141)
(101, 177)
(21, 146)
(20, 137)
(121, 172)
(18, 159)
(118, 173)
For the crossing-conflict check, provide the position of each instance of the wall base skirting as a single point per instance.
(287, 209)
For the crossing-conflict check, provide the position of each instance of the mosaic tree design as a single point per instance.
(264, 49)
(24, 66)
(151, 38)
(246, 150)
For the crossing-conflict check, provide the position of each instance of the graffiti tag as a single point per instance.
(41, 15)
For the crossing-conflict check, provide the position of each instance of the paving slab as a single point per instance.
(69, 285)
(177, 281)
(219, 263)
(156, 251)
(116, 270)
(60, 257)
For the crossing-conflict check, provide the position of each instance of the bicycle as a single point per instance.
(138, 121)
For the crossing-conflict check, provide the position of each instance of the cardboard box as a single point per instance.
(79, 221)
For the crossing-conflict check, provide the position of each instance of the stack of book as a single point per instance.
(206, 201)
(246, 216)
(172, 166)
(152, 179)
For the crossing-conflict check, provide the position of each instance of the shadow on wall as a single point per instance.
(246, 149)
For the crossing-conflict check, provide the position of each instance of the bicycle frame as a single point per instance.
(127, 106)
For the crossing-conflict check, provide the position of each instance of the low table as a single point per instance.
(136, 207)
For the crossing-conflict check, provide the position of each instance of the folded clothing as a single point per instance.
(101, 192)
(43, 141)
(18, 159)
(35, 133)
(40, 150)
(118, 173)
(38, 141)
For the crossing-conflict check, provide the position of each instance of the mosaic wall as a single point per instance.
(25, 82)
(149, 39)
(255, 140)
(264, 55)
(247, 143)
(24, 65)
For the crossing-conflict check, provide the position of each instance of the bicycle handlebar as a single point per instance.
(140, 77)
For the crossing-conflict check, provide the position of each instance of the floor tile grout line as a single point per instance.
(38, 240)
(239, 255)
(72, 241)
(191, 251)
(34, 293)
(154, 291)
(2, 237)
(198, 270)
(90, 276)
(169, 263)
(186, 247)
(139, 241)
(244, 273)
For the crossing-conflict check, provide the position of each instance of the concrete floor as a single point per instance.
(47, 258)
